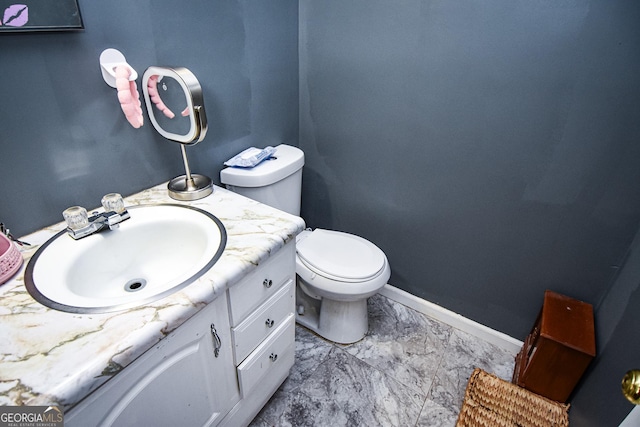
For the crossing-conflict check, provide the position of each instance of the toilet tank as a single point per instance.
(275, 182)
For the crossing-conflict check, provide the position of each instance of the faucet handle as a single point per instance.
(76, 217)
(113, 202)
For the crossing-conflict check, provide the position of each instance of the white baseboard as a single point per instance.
(450, 318)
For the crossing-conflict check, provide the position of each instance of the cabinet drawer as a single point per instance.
(262, 283)
(275, 355)
(266, 319)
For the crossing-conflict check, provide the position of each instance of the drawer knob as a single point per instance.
(269, 323)
(273, 357)
(267, 283)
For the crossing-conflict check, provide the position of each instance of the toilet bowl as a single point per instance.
(335, 271)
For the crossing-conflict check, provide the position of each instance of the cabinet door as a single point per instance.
(180, 381)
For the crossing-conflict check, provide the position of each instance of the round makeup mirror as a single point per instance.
(175, 106)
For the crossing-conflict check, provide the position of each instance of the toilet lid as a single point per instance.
(341, 255)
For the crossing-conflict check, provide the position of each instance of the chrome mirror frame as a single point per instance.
(195, 103)
(189, 186)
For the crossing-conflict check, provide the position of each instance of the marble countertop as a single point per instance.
(49, 357)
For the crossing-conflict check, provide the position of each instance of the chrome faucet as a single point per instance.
(99, 222)
(80, 224)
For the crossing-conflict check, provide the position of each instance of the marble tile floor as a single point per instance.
(410, 370)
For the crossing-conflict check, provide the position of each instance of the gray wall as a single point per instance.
(64, 139)
(490, 148)
(598, 400)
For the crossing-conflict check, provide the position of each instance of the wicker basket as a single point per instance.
(491, 401)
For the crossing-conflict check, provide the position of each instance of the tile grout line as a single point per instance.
(343, 347)
(435, 373)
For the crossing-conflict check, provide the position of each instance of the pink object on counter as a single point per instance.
(128, 96)
(10, 259)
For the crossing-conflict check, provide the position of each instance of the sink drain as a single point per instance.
(135, 285)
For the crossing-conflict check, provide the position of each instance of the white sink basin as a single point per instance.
(158, 251)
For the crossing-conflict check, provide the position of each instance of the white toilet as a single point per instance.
(336, 271)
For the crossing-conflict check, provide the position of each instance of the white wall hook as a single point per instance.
(109, 60)
(121, 76)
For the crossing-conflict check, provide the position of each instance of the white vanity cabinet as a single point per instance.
(184, 381)
(179, 382)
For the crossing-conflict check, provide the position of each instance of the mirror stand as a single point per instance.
(189, 186)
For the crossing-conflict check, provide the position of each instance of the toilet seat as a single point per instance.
(341, 256)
